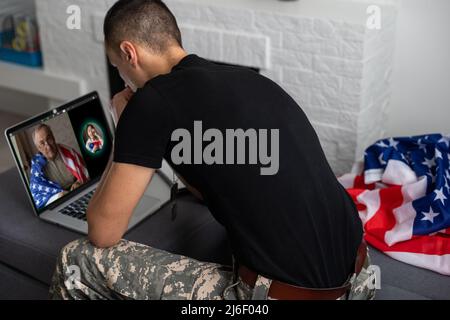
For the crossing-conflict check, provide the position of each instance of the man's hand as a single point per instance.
(113, 203)
(119, 102)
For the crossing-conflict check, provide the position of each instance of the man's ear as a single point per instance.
(128, 52)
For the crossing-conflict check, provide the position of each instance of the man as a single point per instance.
(292, 231)
(55, 170)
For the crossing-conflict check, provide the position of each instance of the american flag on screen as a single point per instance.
(402, 193)
(42, 189)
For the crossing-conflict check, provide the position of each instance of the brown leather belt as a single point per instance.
(284, 291)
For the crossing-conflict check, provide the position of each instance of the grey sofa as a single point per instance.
(29, 247)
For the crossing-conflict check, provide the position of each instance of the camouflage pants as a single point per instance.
(135, 271)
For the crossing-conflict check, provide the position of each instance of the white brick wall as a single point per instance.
(336, 69)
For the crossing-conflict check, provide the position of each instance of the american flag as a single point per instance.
(42, 189)
(402, 193)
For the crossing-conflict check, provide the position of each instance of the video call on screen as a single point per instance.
(63, 152)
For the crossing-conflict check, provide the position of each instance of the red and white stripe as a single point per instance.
(74, 163)
(385, 208)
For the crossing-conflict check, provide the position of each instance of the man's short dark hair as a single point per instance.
(149, 22)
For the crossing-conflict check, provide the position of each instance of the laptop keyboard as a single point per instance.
(77, 209)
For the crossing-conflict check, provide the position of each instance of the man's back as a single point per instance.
(288, 218)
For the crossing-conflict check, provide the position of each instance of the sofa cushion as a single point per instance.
(15, 285)
(404, 281)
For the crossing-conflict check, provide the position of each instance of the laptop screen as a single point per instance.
(62, 151)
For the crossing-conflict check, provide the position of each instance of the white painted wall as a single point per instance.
(420, 101)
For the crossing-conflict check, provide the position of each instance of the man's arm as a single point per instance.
(118, 192)
(110, 210)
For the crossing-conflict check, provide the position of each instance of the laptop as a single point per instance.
(61, 156)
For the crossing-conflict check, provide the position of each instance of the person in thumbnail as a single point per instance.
(94, 141)
(55, 170)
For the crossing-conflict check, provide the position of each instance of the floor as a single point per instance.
(6, 120)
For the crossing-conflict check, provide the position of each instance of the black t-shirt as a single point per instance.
(297, 225)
